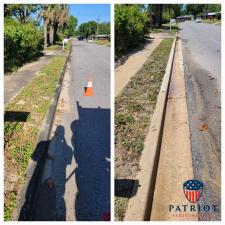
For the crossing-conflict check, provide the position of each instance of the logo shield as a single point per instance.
(193, 190)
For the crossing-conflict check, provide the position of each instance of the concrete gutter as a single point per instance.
(36, 164)
(139, 207)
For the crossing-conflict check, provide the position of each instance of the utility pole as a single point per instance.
(98, 20)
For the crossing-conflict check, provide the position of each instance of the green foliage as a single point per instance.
(104, 28)
(87, 29)
(197, 9)
(167, 15)
(71, 26)
(20, 11)
(22, 42)
(130, 27)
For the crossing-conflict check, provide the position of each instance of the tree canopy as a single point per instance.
(71, 26)
(28, 28)
(93, 28)
(131, 26)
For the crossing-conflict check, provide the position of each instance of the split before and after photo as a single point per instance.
(112, 112)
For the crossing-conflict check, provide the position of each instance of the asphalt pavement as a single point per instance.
(76, 180)
(202, 63)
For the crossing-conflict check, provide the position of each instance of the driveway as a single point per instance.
(202, 63)
(79, 165)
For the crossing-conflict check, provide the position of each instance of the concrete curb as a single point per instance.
(139, 207)
(36, 164)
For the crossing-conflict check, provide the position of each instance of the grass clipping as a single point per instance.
(20, 137)
(133, 110)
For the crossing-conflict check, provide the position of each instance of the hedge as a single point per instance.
(22, 43)
(131, 26)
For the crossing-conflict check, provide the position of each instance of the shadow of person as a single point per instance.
(62, 158)
(48, 199)
(91, 141)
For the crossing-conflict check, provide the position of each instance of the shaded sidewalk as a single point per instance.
(136, 59)
(13, 82)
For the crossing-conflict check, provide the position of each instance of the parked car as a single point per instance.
(90, 40)
(198, 20)
(80, 38)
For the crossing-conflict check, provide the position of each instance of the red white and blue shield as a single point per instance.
(193, 190)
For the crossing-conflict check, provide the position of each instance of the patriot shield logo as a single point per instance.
(193, 190)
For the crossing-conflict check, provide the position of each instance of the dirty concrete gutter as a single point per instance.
(175, 162)
(35, 167)
(139, 206)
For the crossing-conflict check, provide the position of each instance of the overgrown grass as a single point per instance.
(133, 110)
(20, 137)
(215, 21)
(58, 46)
(102, 42)
(166, 28)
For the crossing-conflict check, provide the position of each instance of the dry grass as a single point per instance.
(133, 111)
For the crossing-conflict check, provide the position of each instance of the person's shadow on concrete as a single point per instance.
(91, 141)
(48, 202)
(62, 158)
(91, 151)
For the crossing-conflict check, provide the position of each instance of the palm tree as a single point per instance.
(54, 16)
(44, 14)
(58, 16)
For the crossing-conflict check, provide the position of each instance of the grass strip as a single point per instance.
(166, 28)
(58, 47)
(134, 108)
(21, 128)
(215, 21)
(102, 42)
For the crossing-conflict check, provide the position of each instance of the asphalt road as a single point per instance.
(80, 145)
(202, 63)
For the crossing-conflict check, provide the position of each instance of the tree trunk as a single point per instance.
(45, 34)
(55, 32)
(158, 15)
(51, 35)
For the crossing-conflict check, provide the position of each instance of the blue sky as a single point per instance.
(88, 12)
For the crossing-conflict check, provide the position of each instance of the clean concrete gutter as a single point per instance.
(36, 166)
(139, 206)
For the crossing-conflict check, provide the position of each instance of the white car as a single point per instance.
(198, 20)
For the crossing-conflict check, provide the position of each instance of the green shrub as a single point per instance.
(167, 15)
(130, 27)
(22, 42)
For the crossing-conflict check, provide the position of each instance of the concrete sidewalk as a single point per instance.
(135, 61)
(13, 82)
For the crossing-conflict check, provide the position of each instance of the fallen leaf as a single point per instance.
(203, 127)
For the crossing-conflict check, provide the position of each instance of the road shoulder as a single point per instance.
(175, 162)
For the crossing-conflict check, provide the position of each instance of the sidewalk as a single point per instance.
(136, 60)
(13, 82)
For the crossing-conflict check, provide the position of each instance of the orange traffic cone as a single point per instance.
(88, 90)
